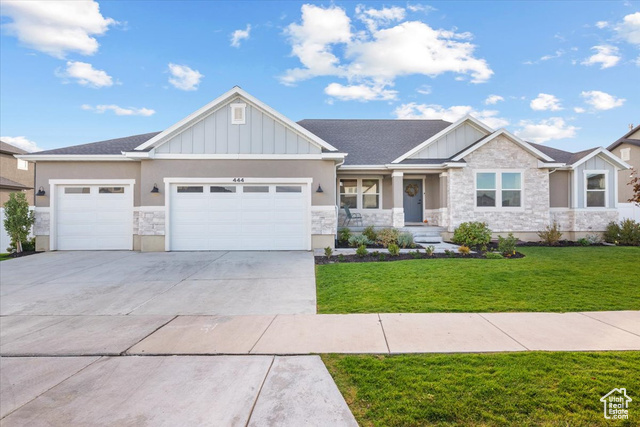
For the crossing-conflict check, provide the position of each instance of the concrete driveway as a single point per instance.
(166, 284)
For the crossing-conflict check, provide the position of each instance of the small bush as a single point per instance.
(359, 240)
(416, 254)
(450, 254)
(629, 233)
(381, 257)
(362, 251)
(27, 246)
(328, 252)
(464, 250)
(551, 234)
(387, 236)
(612, 232)
(394, 250)
(429, 250)
(594, 239)
(344, 234)
(370, 233)
(584, 242)
(493, 255)
(405, 240)
(341, 258)
(472, 234)
(507, 245)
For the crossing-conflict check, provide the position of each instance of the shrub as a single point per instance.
(629, 233)
(612, 232)
(464, 250)
(341, 258)
(394, 250)
(593, 239)
(450, 254)
(359, 240)
(362, 251)
(493, 255)
(328, 252)
(370, 233)
(416, 254)
(344, 234)
(18, 219)
(507, 245)
(381, 257)
(387, 236)
(429, 250)
(472, 234)
(584, 242)
(551, 234)
(405, 240)
(27, 246)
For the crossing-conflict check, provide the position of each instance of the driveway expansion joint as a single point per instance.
(264, 380)
(148, 335)
(515, 340)
(384, 334)
(608, 324)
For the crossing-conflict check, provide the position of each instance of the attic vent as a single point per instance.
(238, 116)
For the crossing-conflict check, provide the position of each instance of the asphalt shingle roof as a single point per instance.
(7, 183)
(562, 156)
(110, 146)
(625, 139)
(373, 142)
(10, 149)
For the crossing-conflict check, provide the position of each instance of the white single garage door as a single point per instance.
(94, 217)
(206, 217)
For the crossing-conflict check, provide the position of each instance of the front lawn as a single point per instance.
(547, 279)
(5, 256)
(485, 389)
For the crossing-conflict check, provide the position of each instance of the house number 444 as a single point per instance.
(238, 179)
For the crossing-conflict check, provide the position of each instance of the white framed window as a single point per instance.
(625, 154)
(499, 189)
(238, 114)
(360, 193)
(595, 187)
(23, 165)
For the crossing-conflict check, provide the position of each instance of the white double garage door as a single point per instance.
(199, 216)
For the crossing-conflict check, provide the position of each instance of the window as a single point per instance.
(221, 189)
(23, 165)
(111, 190)
(625, 154)
(596, 190)
(238, 116)
(255, 189)
(360, 193)
(77, 190)
(499, 189)
(189, 189)
(288, 189)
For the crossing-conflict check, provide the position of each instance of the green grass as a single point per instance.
(554, 389)
(4, 256)
(547, 279)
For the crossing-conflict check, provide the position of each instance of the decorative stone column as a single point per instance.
(397, 208)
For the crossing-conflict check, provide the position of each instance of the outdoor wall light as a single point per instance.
(155, 189)
(319, 190)
(41, 191)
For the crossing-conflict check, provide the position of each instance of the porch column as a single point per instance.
(397, 209)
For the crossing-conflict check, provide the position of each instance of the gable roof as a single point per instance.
(626, 140)
(523, 144)
(373, 142)
(561, 156)
(10, 149)
(235, 92)
(108, 147)
(8, 183)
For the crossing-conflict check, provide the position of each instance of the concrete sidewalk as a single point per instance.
(309, 334)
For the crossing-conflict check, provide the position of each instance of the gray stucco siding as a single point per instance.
(596, 163)
(261, 134)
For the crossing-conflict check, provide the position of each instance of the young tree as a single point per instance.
(635, 187)
(18, 219)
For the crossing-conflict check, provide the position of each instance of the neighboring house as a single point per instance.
(627, 148)
(15, 175)
(238, 175)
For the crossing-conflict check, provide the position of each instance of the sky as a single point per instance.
(563, 74)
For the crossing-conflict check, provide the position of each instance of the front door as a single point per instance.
(412, 200)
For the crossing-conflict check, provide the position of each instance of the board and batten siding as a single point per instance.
(596, 163)
(451, 143)
(261, 134)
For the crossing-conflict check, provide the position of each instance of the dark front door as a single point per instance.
(412, 200)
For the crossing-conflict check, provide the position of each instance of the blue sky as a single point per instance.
(566, 74)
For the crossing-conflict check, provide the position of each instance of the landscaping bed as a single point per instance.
(17, 255)
(536, 388)
(385, 257)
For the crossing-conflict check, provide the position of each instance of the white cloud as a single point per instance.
(545, 130)
(637, 61)
(424, 90)
(21, 142)
(557, 54)
(184, 78)
(601, 100)
(57, 27)
(545, 102)
(629, 28)
(579, 110)
(86, 75)
(360, 92)
(493, 99)
(119, 111)
(417, 7)
(432, 111)
(239, 35)
(326, 46)
(606, 55)
(602, 24)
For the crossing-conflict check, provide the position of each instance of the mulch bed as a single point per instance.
(23, 253)
(337, 259)
(345, 245)
(560, 244)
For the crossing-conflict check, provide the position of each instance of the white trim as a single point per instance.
(362, 167)
(509, 135)
(625, 152)
(76, 157)
(574, 190)
(148, 208)
(453, 126)
(498, 189)
(322, 208)
(138, 154)
(22, 164)
(613, 159)
(239, 156)
(92, 181)
(606, 188)
(242, 106)
(216, 103)
(43, 209)
(229, 180)
(397, 174)
(543, 165)
(359, 194)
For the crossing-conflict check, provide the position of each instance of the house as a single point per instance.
(237, 174)
(15, 174)
(627, 148)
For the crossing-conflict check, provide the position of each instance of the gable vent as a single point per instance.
(238, 114)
